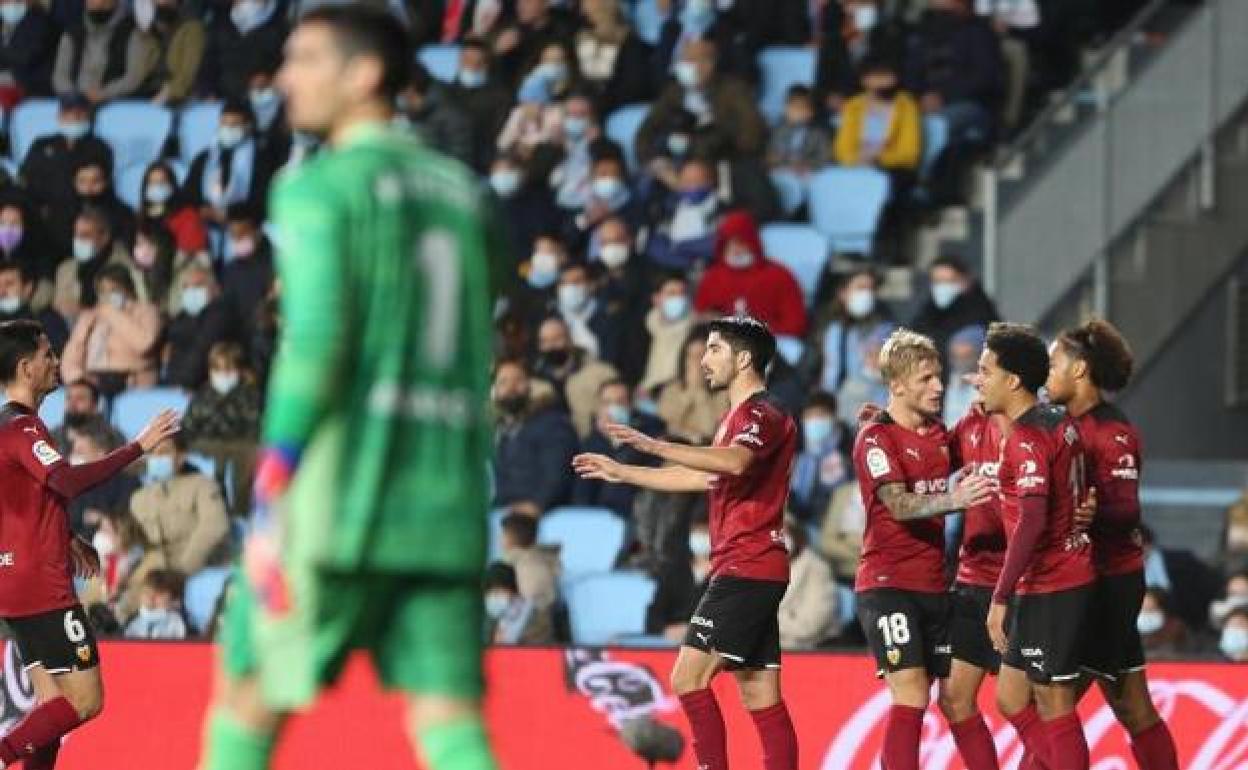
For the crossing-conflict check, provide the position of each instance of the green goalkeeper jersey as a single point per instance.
(383, 367)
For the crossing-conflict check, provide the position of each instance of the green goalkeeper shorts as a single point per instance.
(423, 634)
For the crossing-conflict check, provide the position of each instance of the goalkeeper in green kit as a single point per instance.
(371, 490)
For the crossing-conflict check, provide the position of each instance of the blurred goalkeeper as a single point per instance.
(371, 489)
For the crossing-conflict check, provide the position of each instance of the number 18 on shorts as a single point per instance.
(906, 629)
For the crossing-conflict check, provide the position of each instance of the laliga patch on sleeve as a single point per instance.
(45, 453)
(877, 462)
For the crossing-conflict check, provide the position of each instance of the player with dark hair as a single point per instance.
(371, 487)
(1046, 579)
(39, 557)
(903, 465)
(746, 477)
(1086, 362)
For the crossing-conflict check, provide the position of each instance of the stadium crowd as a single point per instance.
(616, 257)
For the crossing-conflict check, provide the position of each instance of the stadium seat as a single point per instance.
(204, 464)
(644, 641)
(607, 606)
(495, 534)
(129, 184)
(790, 349)
(442, 61)
(203, 591)
(935, 139)
(791, 188)
(780, 68)
(845, 205)
(32, 119)
(648, 21)
(622, 127)
(197, 129)
(133, 409)
(137, 132)
(800, 248)
(589, 539)
(52, 410)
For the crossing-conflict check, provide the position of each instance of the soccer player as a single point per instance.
(746, 478)
(1085, 362)
(903, 464)
(39, 556)
(376, 436)
(1046, 579)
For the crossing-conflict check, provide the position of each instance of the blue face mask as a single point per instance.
(575, 127)
(496, 605)
(816, 431)
(611, 191)
(675, 307)
(945, 293)
(505, 183)
(74, 130)
(1234, 641)
(159, 468)
(471, 78)
(619, 414)
(678, 144)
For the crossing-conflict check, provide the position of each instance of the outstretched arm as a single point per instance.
(672, 478)
(720, 461)
(969, 491)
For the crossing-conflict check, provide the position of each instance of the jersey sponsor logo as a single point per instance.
(988, 470)
(877, 463)
(7, 559)
(1126, 469)
(975, 439)
(698, 620)
(1032, 652)
(1031, 482)
(750, 435)
(704, 638)
(931, 486)
(45, 453)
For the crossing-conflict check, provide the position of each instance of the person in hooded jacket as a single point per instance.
(742, 279)
(957, 300)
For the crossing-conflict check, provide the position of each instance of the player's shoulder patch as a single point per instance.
(45, 453)
(878, 464)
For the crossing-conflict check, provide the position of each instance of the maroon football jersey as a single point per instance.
(36, 574)
(747, 511)
(895, 554)
(1111, 446)
(1043, 457)
(977, 450)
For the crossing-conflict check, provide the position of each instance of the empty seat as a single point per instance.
(781, 67)
(935, 140)
(133, 409)
(495, 534)
(622, 127)
(790, 349)
(800, 248)
(31, 119)
(845, 205)
(442, 61)
(589, 539)
(197, 129)
(204, 464)
(129, 184)
(608, 606)
(52, 410)
(136, 131)
(203, 591)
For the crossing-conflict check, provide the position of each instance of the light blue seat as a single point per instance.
(790, 349)
(622, 127)
(781, 67)
(846, 204)
(204, 464)
(791, 188)
(197, 129)
(645, 642)
(495, 534)
(442, 61)
(648, 21)
(137, 132)
(31, 119)
(52, 410)
(203, 591)
(800, 248)
(129, 184)
(133, 409)
(935, 140)
(608, 606)
(589, 539)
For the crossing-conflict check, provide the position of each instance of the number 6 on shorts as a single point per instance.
(74, 630)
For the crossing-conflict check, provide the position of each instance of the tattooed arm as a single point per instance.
(969, 491)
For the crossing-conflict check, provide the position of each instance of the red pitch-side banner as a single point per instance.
(551, 709)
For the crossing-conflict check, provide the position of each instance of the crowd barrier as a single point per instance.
(552, 709)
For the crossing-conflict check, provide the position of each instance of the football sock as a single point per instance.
(975, 743)
(44, 758)
(1154, 748)
(1068, 748)
(43, 726)
(458, 744)
(235, 746)
(901, 738)
(1035, 743)
(779, 739)
(706, 722)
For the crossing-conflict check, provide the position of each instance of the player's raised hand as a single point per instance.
(623, 435)
(972, 490)
(598, 467)
(996, 628)
(162, 426)
(85, 558)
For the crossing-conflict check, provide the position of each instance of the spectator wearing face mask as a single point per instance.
(182, 515)
(1233, 642)
(624, 279)
(881, 127)
(511, 618)
(1235, 596)
(824, 462)
(610, 196)
(222, 421)
(690, 409)
(1191, 582)
(613, 60)
(164, 201)
(855, 32)
(27, 43)
(485, 101)
(808, 611)
(864, 385)
(234, 169)
(537, 26)
(615, 406)
(963, 354)
(527, 206)
(669, 323)
(180, 39)
(798, 147)
(855, 313)
(675, 142)
(538, 118)
(17, 291)
(684, 228)
(160, 608)
(700, 21)
(1164, 635)
(93, 188)
(425, 107)
(240, 41)
(48, 169)
(94, 248)
(956, 300)
(90, 439)
(594, 325)
(24, 242)
(248, 276)
(533, 447)
(273, 135)
(105, 56)
(114, 343)
(202, 321)
(575, 374)
(742, 280)
(573, 172)
(536, 295)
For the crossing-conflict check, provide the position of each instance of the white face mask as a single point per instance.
(613, 255)
(700, 543)
(860, 303)
(223, 382)
(496, 604)
(194, 299)
(687, 74)
(10, 304)
(675, 307)
(866, 17)
(739, 259)
(230, 137)
(945, 293)
(104, 543)
(84, 249)
(573, 297)
(543, 269)
(154, 614)
(1234, 641)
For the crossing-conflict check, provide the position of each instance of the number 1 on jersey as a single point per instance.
(437, 253)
